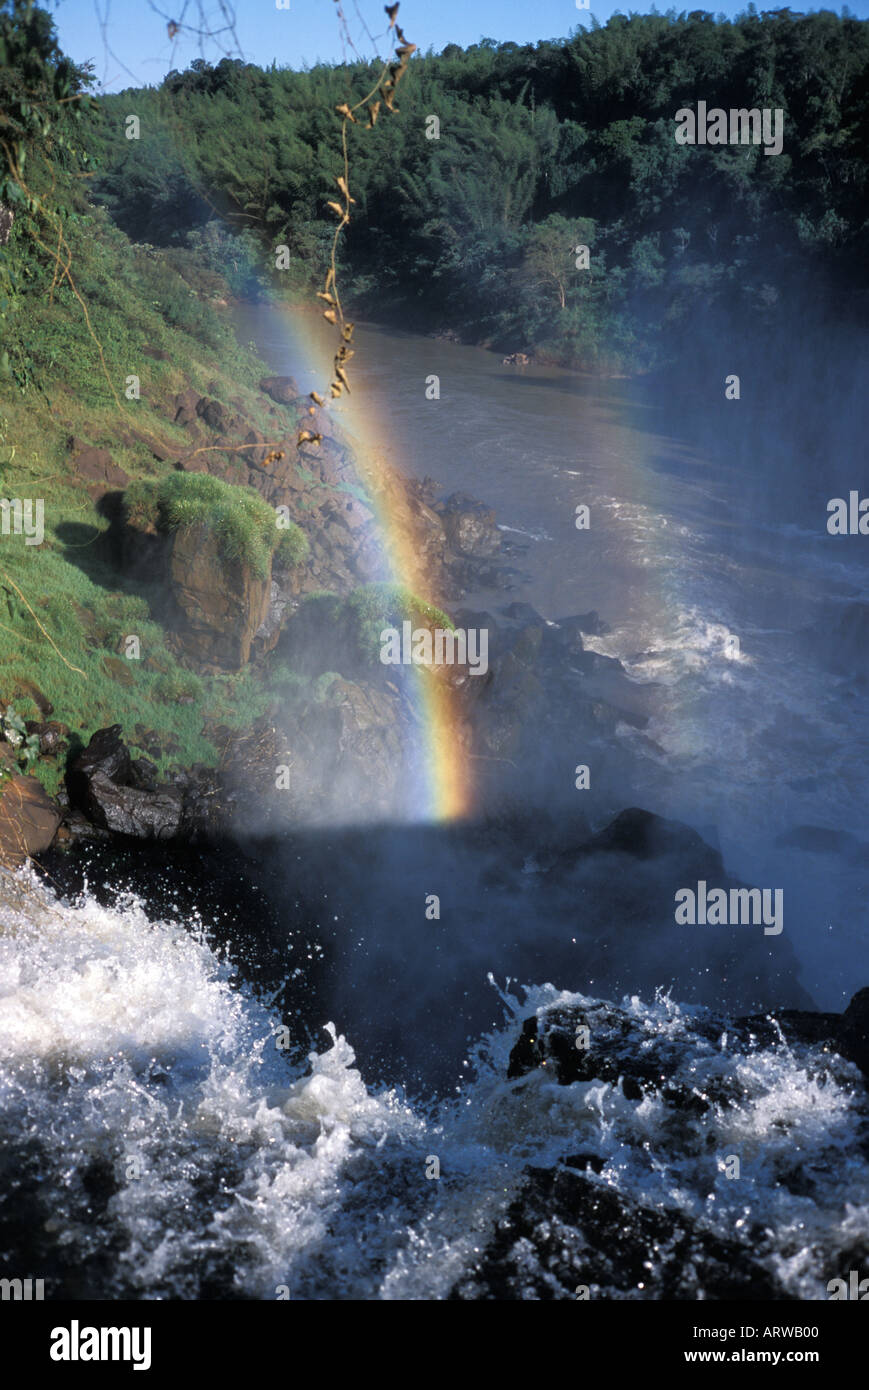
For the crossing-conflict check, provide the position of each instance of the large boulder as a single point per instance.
(105, 755)
(621, 887)
(121, 794)
(28, 817)
(222, 602)
(283, 390)
(129, 811)
(643, 835)
(470, 526)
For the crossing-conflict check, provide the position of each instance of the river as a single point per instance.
(158, 1143)
(714, 575)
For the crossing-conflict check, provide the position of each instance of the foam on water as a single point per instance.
(129, 1050)
(126, 1042)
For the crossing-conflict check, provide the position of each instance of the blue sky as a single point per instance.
(129, 43)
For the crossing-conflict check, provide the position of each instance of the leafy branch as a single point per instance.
(14, 731)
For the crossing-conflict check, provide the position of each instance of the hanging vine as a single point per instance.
(382, 94)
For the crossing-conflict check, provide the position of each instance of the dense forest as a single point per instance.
(539, 148)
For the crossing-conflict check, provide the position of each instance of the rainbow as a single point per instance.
(438, 771)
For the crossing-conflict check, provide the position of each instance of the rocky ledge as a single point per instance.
(222, 615)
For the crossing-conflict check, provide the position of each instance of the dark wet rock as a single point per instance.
(576, 678)
(477, 619)
(643, 835)
(603, 1041)
(565, 640)
(76, 829)
(462, 573)
(470, 526)
(538, 702)
(853, 1035)
(619, 1050)
(523, 613)
(787, 1026)
(106, 755)
(124, 796)
(596, 664)
(583, 1161)
(206, 804)
(526, 648)
(566, 1231)
(603, 681)
(129, 811)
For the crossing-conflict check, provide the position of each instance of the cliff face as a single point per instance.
(223, 602)
(225, 680)
(348, 739)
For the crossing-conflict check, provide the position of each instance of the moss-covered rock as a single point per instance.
(216, 542)
(242, 523)
(222, 602)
